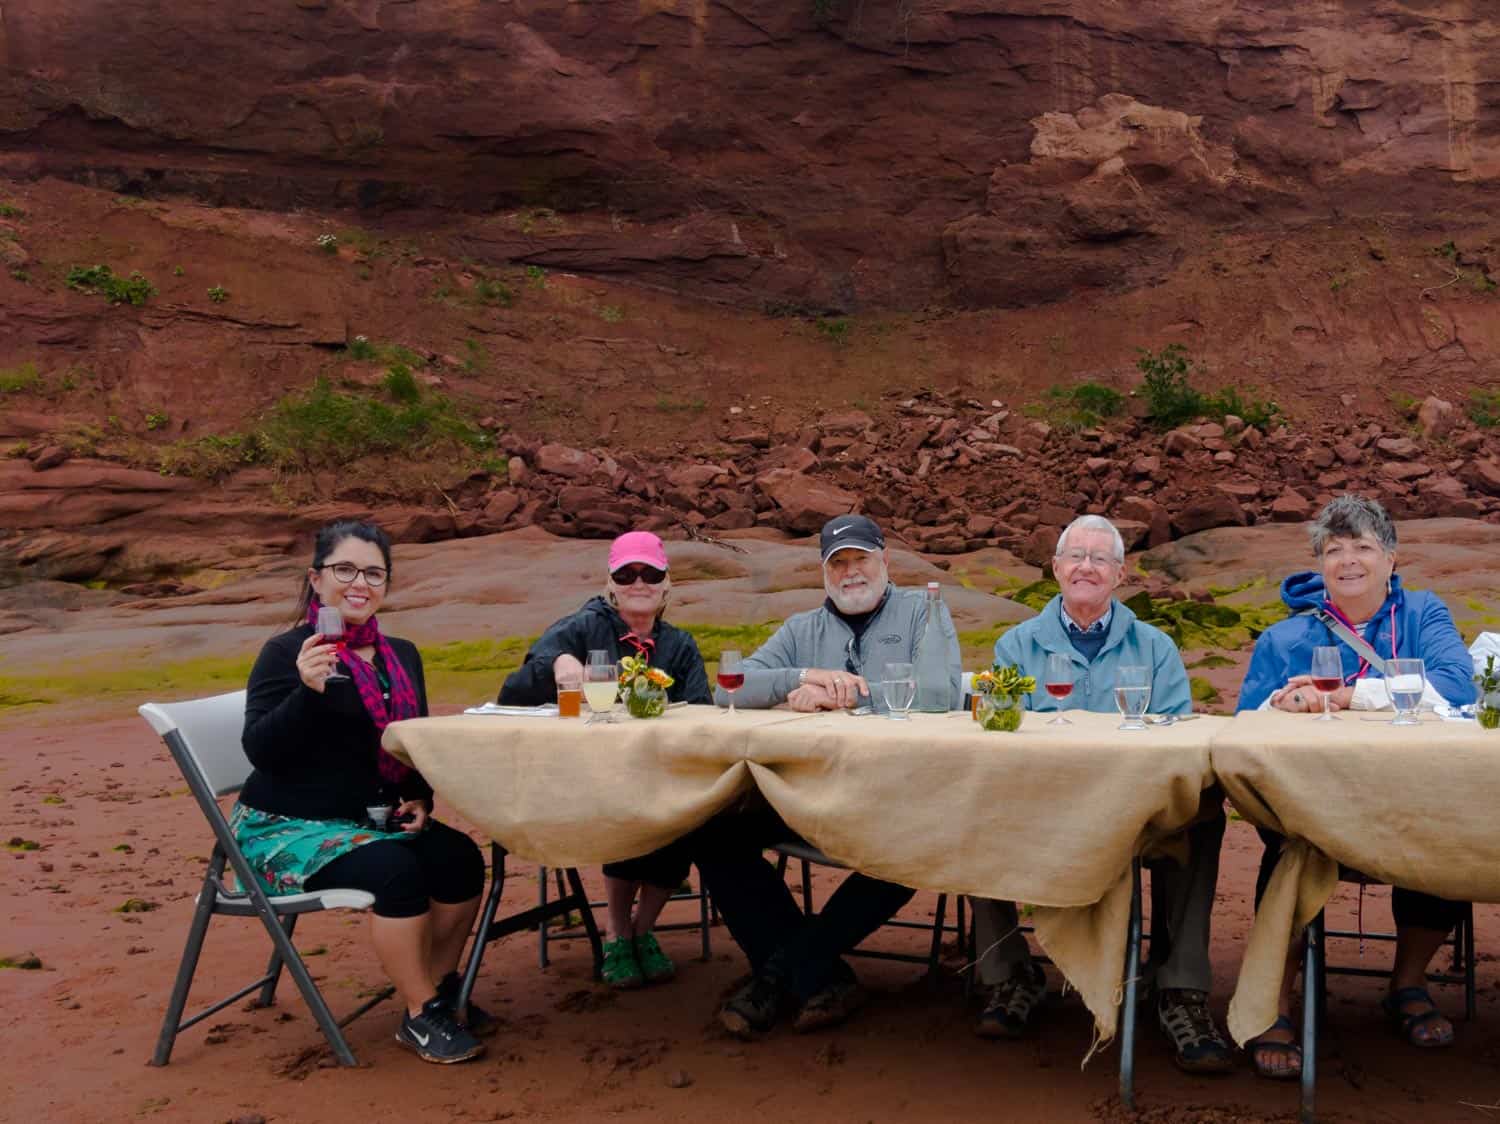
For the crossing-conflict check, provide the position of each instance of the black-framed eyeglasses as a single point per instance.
(345, 572)
(629, 575)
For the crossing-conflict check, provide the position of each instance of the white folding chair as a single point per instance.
(204, 738)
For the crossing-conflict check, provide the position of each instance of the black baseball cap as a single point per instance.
(851, 532)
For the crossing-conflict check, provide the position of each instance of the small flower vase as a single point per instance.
(1488, 711)
(643, 700)
(1000, 712)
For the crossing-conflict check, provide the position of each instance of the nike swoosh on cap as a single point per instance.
(840, 530)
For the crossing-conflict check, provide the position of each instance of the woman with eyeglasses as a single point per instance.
(308, 817)
(626, 620)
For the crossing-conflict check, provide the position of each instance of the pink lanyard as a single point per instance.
(1364, 665)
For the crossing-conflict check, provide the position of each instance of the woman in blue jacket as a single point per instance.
(1354, 541)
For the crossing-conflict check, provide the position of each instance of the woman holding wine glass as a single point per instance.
(1351, 607)
(625, 620)
(320, 780)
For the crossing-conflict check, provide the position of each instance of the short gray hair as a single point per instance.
(1091, 523)
(1352, 517)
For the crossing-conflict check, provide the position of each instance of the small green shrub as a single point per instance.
(157, 419)
(1169, 392)
(10, 211)
(178, 271)
(1484, 408)
(218, 294)
(1077, 407)
(17, 273)
(360, 347)
(489, 291)
(611, 313)
(18, 379)
(476, 358)
(1261, 413)
(537, 276)
(669, 405)
(135, 289)
(1447, 250)
(401, 384)
(835, 329)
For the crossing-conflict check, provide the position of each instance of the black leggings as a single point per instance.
(1410, 908)
(439, 865)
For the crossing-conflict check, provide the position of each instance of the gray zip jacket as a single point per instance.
(819, 638)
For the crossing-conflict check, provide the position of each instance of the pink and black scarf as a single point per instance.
(403, 700)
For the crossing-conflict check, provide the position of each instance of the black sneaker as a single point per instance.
(829, 1007)
(753, 1009)
(479, 1022)
(436, 1036)
(1182, 1014)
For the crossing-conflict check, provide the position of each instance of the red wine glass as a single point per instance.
(731, 674)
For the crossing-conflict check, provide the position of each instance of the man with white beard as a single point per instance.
(815, 661)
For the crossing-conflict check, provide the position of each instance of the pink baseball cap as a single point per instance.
(637, 546)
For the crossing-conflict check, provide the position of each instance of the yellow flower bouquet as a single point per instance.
(1002, 691)
(644, 687)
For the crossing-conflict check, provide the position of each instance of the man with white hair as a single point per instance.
(817, 660)
(1098, 634)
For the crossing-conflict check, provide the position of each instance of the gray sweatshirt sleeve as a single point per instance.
(770, 674)
(955, 660)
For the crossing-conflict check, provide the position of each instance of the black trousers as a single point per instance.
(1409, 908)
(665, 868)
(439, 865)
(803, 953)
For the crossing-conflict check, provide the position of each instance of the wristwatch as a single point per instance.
(802, 677)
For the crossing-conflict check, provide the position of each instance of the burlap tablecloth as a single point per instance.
(1414, 807)
(559, 792)
(1049, 815)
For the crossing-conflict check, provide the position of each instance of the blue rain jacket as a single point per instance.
(1424, 631)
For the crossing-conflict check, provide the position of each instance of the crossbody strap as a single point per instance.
(1351, 638)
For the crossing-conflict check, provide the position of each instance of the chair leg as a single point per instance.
(807, 907)
(1312, 1000)
(1132, 970)
(934, 955)
(1470, 1005)
(589, 925)
(197, 930)
(482, 933)
(267, 996)
(310, 993)
(703, 909)
(541, 929)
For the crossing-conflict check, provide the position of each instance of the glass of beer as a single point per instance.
(569, 695)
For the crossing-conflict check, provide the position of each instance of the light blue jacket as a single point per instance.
(1130, 641)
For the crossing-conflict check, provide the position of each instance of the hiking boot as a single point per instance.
(1182, 1014)
(753, 1009)
(1010, 1008)
(829, 1007)
(436, 1036)
(621, 969)
(479, 1022)
(655, 965)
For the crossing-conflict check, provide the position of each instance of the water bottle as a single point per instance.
(934, 689)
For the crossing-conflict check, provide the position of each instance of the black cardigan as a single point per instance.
(598, 625)
(315, 755)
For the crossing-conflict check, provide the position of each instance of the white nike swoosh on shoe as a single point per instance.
(422, 1039)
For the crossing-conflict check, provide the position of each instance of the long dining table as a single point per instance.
(1049, 815)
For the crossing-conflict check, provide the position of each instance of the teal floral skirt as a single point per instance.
(285, 852)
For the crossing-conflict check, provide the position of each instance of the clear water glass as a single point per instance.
(900, 688)
(1132, 695)
(1405, 680)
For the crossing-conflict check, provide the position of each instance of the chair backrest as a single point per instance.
(968, 682)
(209, 730)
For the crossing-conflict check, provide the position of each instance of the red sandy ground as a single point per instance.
(80, 1030)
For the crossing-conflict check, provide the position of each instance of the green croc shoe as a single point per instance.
(621, 970)
(655, 964)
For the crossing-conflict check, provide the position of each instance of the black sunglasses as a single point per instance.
(628, 575)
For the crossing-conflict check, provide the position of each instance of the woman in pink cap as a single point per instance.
(626, 620)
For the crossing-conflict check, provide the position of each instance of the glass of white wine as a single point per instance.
(601, 684)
